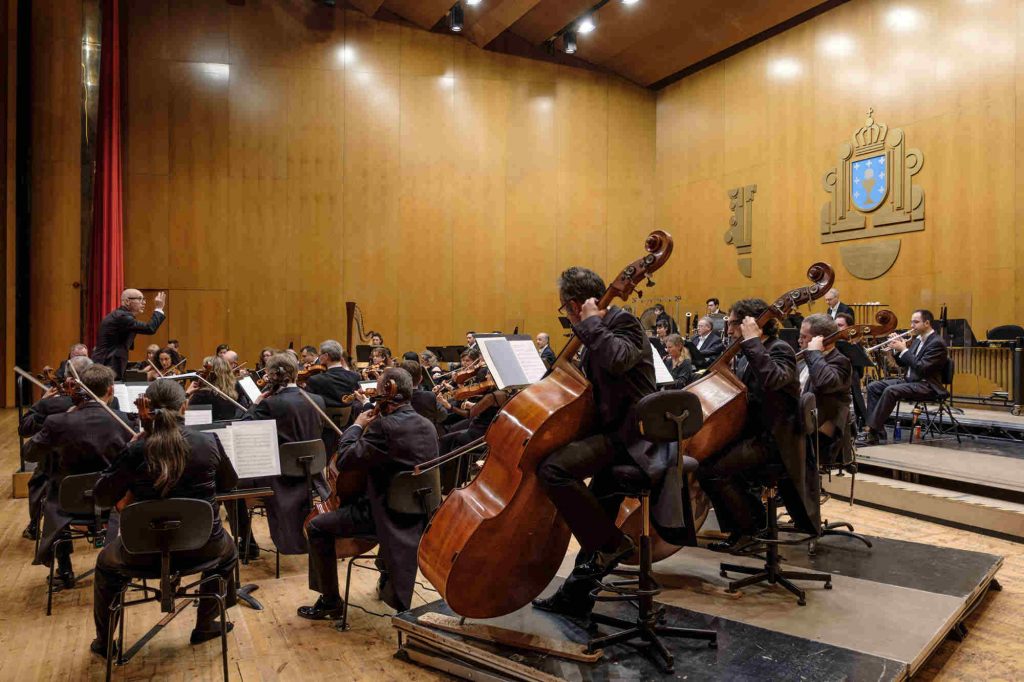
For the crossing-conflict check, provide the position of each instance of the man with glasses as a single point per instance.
(118, 329)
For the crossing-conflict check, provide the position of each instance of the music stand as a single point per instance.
(450, 354)
(858, 356)
(699, 360)
(363, 353)
(564, 321)
(659, 345)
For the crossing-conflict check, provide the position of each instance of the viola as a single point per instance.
(468, 373)
(496, 544)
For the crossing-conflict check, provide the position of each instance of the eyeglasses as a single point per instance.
(734, 323)
(136, 298)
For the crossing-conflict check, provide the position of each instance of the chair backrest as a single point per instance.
(1006, 332)
(76, 496)
(171, 525)
(408, 494)
(947, 374)
(809, 413)
(339, 415)
(294, 455)
(657, 415)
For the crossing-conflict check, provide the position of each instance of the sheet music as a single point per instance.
(254, 450)
(121, 393)
(250, 388)
(661, 373)
(529, 359)
(502, 361)
(200, 414)
(371, 385)
(131, 391)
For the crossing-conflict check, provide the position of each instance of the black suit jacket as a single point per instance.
(223, 409)
(82, 441)
(391, 444)
(117, 336)
(425, 405)
(32, 421)
(548, 356)
(683, 373)
(207, 472)
(297, 420)
(333, 384)
(712, 347)
(829, 377)
(928, 365)
(841, 308)
(773, 416)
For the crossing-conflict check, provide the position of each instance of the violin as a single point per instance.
(49, 377)
(310, 370)
(71, 388)
(374, 371)
(145, 409)
(468, 373)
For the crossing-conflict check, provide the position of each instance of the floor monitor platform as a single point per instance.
(891, 606)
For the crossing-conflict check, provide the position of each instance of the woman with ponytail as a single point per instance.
(167, 461)
(223, 378)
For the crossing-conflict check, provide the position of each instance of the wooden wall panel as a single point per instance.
(199, 317)
(775, 116)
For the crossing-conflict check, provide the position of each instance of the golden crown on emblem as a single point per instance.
(871, 135)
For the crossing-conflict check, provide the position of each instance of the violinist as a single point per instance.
(431, 367)
(143, 365)
(297, 420)
(52, 402)
(380, 359)
(771, 434)
(308, 355)
(231, 357)
(117, 331)
(176, 346)
(829, 375)
(166, 363)
(619, 362)
(470, 358)
(338, 381)
(222, 377)
(168, 461)
(384, 442)
(80, 441)
(222, 348)
(79, 350)
(679, 363)
(264, 356)
(426, 403)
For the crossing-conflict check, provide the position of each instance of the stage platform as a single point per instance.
(994, 423)
(890, 607)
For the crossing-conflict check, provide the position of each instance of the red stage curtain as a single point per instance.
(106, 250)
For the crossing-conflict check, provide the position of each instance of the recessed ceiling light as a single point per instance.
(586, 25)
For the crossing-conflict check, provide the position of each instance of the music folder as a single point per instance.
(513, 360)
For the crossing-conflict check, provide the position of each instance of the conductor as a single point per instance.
(118, 329)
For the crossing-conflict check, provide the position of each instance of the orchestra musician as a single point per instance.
(79, 350)
(383, 444)
(844, 320)
(143, 365)
(165, 362)
(771, 434)
(223, 378)
(716, 315)
(471, 341)
(678, 360)
(618, 361)
(31, 423)
(338, 381)
(308, 355)
(925, 360)
(80, 441)
(376, 339)
(430, 364)
(426, 403)
(117, 331)
(829, 375)
(297, 420)
(176, 346)
(264, 356)
(662, 316)
(169, 461)
(707, 340)
(543, 343)
(380, 359)
(835, 306)
(222, 348)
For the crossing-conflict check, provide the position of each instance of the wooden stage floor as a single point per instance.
(275, 644)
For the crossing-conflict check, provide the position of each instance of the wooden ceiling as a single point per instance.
(646, 42)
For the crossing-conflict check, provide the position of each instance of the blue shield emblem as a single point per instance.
(870, 183)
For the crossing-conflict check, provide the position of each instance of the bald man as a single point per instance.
(118, 329)
(543, 342)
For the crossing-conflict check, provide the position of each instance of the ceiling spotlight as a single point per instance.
(472, 3)
(586, 24)
(630, 2)
(455, 17)
(569, 42)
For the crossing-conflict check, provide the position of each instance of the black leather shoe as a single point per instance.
(728, 544)
(31, 532)
(321, 610)
(205, 635)
(602, 563)
(99, 648)
(867, 439)
(65, 580)
(564, 606)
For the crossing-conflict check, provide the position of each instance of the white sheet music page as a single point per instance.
(255, 448)
(661, 373)
(529, 359)
(501, 361)
(200, 414)
(121, 393)
(131, 391)
(250, 388)
(226, 442)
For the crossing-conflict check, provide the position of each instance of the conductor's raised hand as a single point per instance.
(160, 300)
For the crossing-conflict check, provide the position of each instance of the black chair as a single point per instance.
(1006, 332)
(164, 527)
(407, 494)
(664, 417)
(842, 459)
(934, 419)
(88, 523)
(768, 539)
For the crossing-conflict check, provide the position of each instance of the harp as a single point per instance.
(353, 322)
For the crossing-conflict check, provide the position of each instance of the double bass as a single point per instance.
(495, 544)
(886, 322)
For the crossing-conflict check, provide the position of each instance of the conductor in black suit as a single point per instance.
(925, 360)
(543, 343)
(835, 306)
(118, 329)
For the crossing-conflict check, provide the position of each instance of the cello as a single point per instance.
(495, 544)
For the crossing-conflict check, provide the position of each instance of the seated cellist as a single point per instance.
(381, 442)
